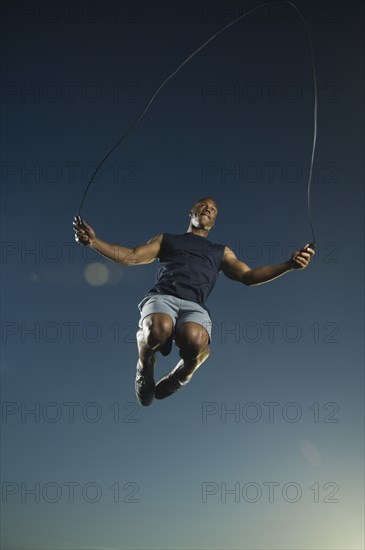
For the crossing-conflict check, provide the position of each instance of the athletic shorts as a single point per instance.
(181, 311)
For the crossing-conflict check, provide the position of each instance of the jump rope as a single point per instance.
(139, 118)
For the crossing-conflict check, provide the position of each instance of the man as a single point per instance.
(174, 309)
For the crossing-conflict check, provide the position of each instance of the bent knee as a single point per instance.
(157, 328)
(193, 340)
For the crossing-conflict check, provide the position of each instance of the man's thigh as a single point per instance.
(190, 312)
(157, 308)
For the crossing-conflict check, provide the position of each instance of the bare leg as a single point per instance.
(193, 341)
(155, 334)
(156, 330)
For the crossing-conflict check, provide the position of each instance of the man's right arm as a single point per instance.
(141, 254)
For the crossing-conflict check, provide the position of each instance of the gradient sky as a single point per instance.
(276, 413)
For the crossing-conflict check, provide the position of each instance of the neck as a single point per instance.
(200, 231)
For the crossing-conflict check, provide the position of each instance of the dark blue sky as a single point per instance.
(89, 468)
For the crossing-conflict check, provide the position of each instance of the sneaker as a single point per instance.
(145, 385)
(168, 385)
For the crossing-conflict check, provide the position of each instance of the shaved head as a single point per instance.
(205, 199)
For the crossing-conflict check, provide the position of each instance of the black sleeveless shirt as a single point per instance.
(189, 267)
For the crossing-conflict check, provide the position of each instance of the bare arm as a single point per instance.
(236, 270)
(138, 255)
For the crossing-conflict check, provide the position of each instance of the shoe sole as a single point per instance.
(162, 389)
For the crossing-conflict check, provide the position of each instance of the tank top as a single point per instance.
(189, 267)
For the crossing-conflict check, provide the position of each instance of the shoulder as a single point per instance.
(228, 252)
(165, 237)
(157, 239)
(228, 255)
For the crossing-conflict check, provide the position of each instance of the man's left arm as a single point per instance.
(237, 270)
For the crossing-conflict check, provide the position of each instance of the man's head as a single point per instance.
(203, 213)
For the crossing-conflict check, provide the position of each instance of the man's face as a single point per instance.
(204, 213)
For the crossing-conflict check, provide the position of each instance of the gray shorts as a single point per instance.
(181, 311)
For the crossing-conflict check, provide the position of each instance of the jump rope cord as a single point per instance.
(134, 124)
